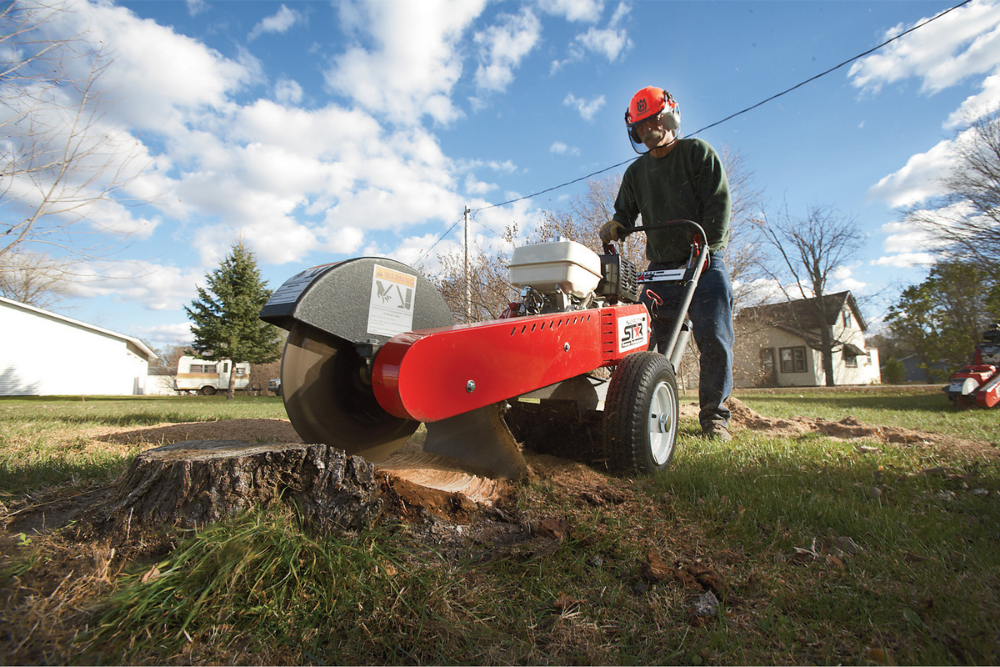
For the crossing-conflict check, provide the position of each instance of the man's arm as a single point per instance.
(713, 187)
(626, 207)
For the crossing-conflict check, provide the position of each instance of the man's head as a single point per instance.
(652, 119)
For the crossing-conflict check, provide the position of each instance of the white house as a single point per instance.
(43, 354)
(782, 342)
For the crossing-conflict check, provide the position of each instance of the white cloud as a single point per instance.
(963, 43)
(588, 11)
(415, 63)
(505, 167)
(845, 280)
(154, 286)
(165, 335)
(611, 43)
(280, 23)
(586, 108)
(975, 106)
(159, 79)
(291, 181)
(287, 92)
(474, 186)
(196, 7)
(502, 47)
(906, 260)
(559, 148)
(852, 285)
(918, 180)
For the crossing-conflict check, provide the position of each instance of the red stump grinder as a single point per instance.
(373, 352)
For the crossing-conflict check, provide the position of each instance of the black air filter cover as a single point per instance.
(619, 278)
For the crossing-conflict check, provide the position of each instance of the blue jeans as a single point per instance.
(711, 313)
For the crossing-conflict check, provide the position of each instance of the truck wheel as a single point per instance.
(208, 391)
(640, 414)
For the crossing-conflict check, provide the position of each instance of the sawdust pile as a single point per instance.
(849, 428)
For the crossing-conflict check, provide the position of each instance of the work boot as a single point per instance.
(716, 431)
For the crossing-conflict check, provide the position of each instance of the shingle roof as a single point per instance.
(802, 318)
(803, 314)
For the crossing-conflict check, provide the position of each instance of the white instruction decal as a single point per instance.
(632, 332)
(291, 288)
(390, 310)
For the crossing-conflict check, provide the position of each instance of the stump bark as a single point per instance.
(190, 484)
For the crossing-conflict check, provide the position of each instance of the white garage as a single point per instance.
(43, 354)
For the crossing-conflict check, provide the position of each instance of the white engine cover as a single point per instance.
(567, 265)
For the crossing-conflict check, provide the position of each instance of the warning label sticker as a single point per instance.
(390, 310)
(632, 332)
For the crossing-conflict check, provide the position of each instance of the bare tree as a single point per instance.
(31, 278)
(63, 167)
(166, 358)
(964, 224)
(809, 250)
(489, 279)
(745, 255)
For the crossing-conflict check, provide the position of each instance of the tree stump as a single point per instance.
(190, 484)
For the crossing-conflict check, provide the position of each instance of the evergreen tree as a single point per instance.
(225, 322)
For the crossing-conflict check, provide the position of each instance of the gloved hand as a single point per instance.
(609, 232)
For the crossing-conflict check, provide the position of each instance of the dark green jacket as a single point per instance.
(688, 184)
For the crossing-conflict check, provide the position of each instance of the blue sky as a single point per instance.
(325, 130)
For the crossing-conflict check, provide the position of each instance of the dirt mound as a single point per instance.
(850, 428)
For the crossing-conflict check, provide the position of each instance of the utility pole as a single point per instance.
(468, 287)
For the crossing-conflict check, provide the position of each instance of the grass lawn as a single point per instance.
(771, 549)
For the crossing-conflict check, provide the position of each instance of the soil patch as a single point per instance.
(850, 428)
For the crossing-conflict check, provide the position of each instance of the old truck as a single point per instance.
(207, 377)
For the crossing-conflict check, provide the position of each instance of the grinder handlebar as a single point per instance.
(699, 233)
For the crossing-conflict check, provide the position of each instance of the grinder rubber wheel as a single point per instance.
(329, 399)
(640, 414)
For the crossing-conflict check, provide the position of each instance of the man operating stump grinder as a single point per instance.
(682, 179)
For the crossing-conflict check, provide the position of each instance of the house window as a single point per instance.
(767, 361)
(847, 320)
(793, 359)
(850, 360)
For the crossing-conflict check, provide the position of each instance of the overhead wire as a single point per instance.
(439, 239)
(707, 127)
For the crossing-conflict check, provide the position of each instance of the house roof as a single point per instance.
(139, 346)
(802, 318)
(802, 315)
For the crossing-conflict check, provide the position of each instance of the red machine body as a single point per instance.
(979, 383)
(435, 374)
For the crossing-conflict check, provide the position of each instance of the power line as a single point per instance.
(835, 67)
(727, 118)
(439, 239)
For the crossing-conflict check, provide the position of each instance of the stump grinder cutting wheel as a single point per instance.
(373, 351)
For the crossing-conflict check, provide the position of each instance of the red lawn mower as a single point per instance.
(979, 383)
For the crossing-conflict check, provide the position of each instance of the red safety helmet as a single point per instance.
(647, 103)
